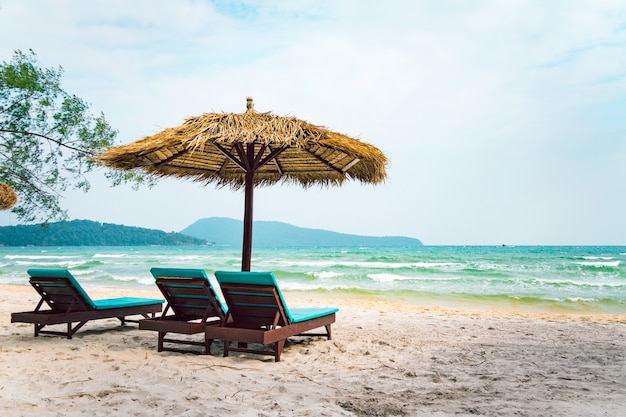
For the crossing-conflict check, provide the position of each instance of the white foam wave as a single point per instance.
(326, 274)
(139, 279)
(361, 264)
(109, 255)
(304, 286)
(34, 264)
(436, 265)
(385, 277)
(38, 257)
(81, 272)
(599, 264)
(573, 299)
(187, 257)
(572, 283)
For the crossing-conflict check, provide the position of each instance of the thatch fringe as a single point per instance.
(8, 198)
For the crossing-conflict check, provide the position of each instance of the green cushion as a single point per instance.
(124, 302)
(267, 278)
(178, 272)
(308, 313)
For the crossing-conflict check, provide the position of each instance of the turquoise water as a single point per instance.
(539, 278)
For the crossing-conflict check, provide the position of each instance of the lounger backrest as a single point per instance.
(59, 288)
(253, 298)
(189, 293)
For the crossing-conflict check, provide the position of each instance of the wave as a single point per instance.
(89, 264)
(143, 279)
(386, 277)
(389, 277)
(42, 264)
(360, 264)
(573, 283)
(600, 264)
(37, 257)
(572, 276)
(327, 274)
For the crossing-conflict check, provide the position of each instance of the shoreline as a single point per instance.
(456, 302)
(386, 358)
(466, 303)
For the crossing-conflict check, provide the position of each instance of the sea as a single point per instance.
(562, 279)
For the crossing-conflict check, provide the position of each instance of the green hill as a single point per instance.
(89, 233)
(228, 232)
(215, 230)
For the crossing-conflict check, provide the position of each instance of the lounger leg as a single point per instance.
(278, 349)
(226, 345)
(328, 331)
(160, 342)
(207, 344)
(70, 331)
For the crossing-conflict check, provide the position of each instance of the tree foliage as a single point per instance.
(89, 233)
(47, 137)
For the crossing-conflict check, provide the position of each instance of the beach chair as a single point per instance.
(258, 314)
(191, 302)
(68, 303)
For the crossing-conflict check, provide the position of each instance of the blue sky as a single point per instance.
(503, 121)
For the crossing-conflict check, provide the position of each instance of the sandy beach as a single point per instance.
(385, 359)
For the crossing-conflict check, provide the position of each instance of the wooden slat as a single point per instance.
(59, 294)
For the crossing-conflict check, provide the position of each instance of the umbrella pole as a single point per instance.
(247, 223)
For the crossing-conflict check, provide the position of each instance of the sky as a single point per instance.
(504, 121)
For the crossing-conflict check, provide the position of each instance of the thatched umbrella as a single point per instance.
(244, 150)
(8, 198)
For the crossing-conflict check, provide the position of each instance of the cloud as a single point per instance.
(494, 115)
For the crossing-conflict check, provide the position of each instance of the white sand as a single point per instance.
(385, 359)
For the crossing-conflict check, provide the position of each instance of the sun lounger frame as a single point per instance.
(258, 314)
(67, 305)
(191, 302)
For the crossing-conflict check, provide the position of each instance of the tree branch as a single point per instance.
(58, 142)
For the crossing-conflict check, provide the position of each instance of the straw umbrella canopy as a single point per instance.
(245, 150)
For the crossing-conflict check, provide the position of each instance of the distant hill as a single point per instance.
(215, 230)
(89, 233)
(229, 232)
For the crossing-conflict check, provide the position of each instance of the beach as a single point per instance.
(386, 358)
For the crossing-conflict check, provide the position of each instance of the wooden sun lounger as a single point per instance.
(191, 302)
(69, 303)
(258, 314)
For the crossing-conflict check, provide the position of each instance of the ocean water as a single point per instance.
(576, 279)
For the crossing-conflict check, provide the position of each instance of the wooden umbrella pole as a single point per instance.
(247, 223)
(249, 161)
